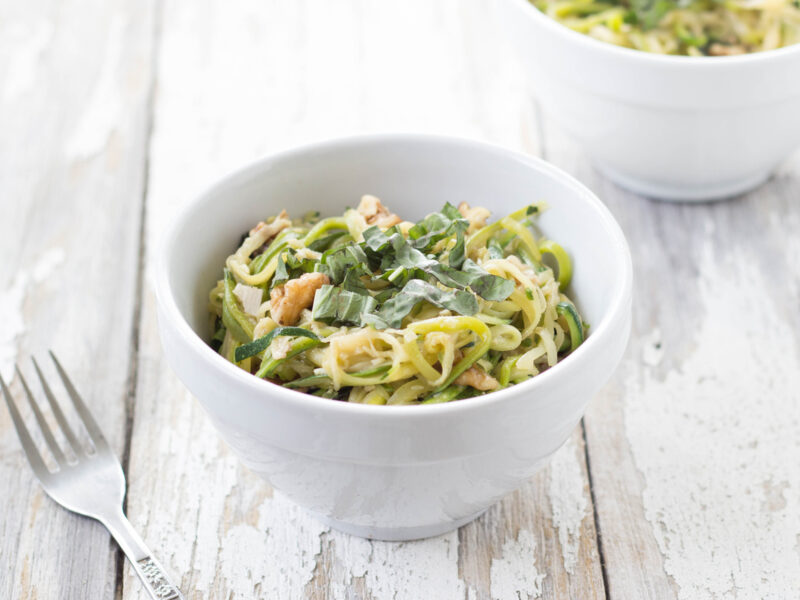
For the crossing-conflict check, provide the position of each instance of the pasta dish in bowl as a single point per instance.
(683, 27)
(366, 329)
(372, 309)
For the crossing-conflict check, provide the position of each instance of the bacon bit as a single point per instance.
(376, 213)
(287, 301)
(476, 216)
(477, 378)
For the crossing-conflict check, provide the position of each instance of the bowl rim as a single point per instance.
(615, 316)
(696, 62)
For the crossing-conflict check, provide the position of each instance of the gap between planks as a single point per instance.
(598, 534)
(541, 143)
(136, 321)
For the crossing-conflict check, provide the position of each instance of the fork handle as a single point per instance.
(149, 570)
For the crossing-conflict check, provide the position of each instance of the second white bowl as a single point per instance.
(671, 127)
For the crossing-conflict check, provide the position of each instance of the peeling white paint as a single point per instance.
(568, 501)
(514, 577)
(100, 117)
(288, 542)
(47, 263)
(716, 442)
(400, 570)
(239, 542)
(12, 301)
(23, 49)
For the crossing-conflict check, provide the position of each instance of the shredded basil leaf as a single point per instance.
(325, 242)
(392, 313)
(495, 249)
(487, 286)
(650, 12)
(336, 263)
(333, 304)
(459, 252)
(291, 267)
(397, 252)
(262, 343)
(411, 267)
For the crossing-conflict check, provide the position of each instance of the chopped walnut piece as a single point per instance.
(375, 213)
(717, 49)
(287, 301)
(477, 378)
(268, 231)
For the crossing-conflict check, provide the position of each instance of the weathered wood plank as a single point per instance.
(693, 448)
(307, 70)
(74, 84)
(549, 521)
(515, 548)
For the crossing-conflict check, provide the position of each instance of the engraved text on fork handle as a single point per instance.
(157, 580)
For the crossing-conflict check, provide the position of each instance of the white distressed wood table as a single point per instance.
(683, 480)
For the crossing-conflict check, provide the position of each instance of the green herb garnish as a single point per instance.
(262, 343)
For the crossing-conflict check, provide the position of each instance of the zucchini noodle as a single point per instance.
(371, 309)
(684, 27)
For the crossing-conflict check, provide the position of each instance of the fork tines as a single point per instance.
(28, 444)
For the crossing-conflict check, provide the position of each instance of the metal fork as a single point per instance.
(92, 484)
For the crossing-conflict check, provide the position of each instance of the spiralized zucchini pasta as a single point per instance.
(373, 309)
(684, 27)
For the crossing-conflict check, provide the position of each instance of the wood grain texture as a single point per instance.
(694, 445)
(74, 82)
(692, 448)
(313, 70)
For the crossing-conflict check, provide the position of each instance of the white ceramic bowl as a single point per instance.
(393, 472)
(672, 127)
